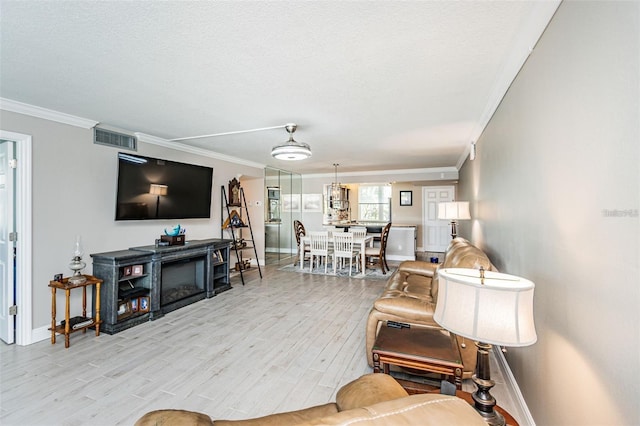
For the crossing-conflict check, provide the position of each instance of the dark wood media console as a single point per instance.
(144, 283)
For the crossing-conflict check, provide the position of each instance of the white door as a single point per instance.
(7, 222)
(436, 234)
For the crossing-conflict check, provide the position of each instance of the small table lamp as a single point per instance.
(491, 308)
(454, 211)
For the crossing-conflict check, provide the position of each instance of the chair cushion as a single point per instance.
(280, 419)
(422, 409)
(368, 390)
(174, 417)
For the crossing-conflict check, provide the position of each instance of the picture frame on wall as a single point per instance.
(406, 198)
(312, 203)
(290, 202)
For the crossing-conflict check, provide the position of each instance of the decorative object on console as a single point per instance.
(143, 304)
(491, 308)
(173, 240)
(176, 230)
(76, 264)
(290, 150)
(454, 211)
(174, 237)
(158, 190)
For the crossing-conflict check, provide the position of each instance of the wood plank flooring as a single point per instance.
(285, 342)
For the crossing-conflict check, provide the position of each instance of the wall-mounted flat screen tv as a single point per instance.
(151, 188)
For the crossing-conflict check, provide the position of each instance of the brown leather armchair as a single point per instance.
(373, 399)
(411, 293)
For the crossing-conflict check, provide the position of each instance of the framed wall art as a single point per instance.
(406, 198)
(311, 203)
(290, 202)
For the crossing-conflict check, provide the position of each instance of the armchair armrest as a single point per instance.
(418, 267)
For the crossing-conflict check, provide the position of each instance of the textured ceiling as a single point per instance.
(371, 85)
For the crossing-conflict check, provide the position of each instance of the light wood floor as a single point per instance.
(285, 342)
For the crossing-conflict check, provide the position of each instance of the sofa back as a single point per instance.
(461, 254)
(420, 409)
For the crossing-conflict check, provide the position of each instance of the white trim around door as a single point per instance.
(24, 249)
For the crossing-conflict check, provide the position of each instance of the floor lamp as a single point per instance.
(158, 190)
(490, 308)
(454, 211)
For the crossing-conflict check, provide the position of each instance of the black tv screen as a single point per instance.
(151, 188)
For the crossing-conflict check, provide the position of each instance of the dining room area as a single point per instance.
(349, 251)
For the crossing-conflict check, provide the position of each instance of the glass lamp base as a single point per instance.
(77, 279)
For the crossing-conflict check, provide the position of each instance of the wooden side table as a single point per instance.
(425, 349)
(81, 323)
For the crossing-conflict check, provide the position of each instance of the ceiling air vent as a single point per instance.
(115, 139)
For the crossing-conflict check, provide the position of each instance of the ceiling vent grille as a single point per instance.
(115, 139)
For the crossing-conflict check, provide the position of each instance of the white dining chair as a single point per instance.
(358, 232)
(330, 229)
(319, 248)
(343, 249)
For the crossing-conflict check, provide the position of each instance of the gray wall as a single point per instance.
(560, 154)
(74, 187)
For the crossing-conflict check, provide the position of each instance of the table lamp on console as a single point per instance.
(454, 211)
(490, 308)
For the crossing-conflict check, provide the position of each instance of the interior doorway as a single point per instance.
(16, 250)
(435, 234)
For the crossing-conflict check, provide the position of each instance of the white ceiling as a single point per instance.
(384, 85)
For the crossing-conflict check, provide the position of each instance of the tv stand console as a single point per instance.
(143, 283)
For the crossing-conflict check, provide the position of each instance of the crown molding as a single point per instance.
(434, 170)
(72, 120)
(155, 140)
(522, 47)
(47, 114)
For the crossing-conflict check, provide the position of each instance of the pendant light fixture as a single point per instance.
(338, 198)
(291, 150)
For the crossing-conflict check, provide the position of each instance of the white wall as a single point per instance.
(74, 186)
(561, 151)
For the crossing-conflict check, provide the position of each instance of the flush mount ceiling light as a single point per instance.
(290, 150)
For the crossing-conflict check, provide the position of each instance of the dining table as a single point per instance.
(367, 239)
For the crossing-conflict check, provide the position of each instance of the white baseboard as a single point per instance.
(399, 257)
(513, 388)
(40, 334)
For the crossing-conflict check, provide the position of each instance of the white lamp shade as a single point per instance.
(499, 312)
(158, 189)
(454, 210)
